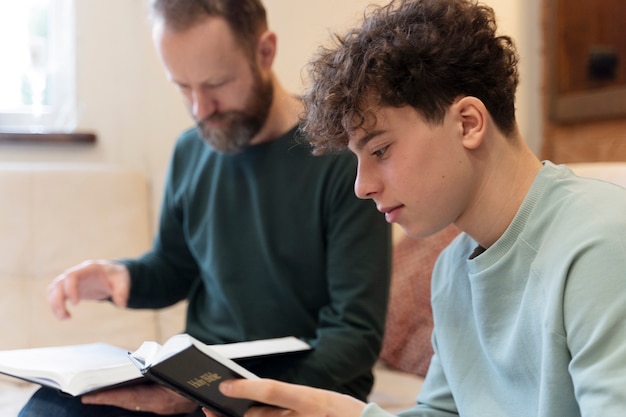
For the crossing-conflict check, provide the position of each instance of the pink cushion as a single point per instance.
(406, 345)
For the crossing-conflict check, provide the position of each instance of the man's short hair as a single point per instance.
(246, 18)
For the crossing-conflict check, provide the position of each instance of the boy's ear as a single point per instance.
(266, 50)
(474, 116)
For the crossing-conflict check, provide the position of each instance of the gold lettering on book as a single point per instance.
(205, 379)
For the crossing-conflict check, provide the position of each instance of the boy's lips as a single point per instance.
(391, 213)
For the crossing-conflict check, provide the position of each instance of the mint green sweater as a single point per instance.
(267, 243)
(535, 326)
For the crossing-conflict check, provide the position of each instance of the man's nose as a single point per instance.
(203, 104)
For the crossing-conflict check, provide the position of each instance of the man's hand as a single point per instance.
(290, 400)
(146, 397)
(90, 280)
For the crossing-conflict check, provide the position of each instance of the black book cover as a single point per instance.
(195, 370)
(197, 376)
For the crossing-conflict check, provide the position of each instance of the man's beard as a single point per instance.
(239, 126)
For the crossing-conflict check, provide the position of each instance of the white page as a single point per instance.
(100, 364)
(151, 352)
(261, 347)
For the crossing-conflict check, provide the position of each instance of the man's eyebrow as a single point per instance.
(360, 144)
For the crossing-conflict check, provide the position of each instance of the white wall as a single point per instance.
(521, 19)
(123, 95)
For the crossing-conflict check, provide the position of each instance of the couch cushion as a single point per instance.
(13, 395)
(54, 216)
(407, 345)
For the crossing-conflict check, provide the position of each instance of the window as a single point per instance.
(37, 91)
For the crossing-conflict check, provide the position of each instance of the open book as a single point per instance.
(79, 369)
(74, 369)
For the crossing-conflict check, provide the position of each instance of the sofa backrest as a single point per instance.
(614, 172)
(52, 217)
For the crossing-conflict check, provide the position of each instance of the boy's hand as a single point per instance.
(290, 399)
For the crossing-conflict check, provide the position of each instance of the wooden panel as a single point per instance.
(584, 120)
(591, 46)
(586, 59)
(586, 142)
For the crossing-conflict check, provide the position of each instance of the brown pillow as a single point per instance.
(407, 345)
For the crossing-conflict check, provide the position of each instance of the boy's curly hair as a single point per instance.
(421, 53)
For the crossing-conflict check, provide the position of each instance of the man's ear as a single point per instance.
(266, 50)
(474, 118)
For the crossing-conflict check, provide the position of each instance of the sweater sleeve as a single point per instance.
(165, 274)
(593, 314)
(373, 410)
(435, 398)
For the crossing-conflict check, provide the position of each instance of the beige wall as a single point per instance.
(124, 97)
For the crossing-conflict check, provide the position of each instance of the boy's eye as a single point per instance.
(379, 153)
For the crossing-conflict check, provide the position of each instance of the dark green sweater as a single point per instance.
(272, 242)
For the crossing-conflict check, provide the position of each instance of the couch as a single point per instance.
(53, 216)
